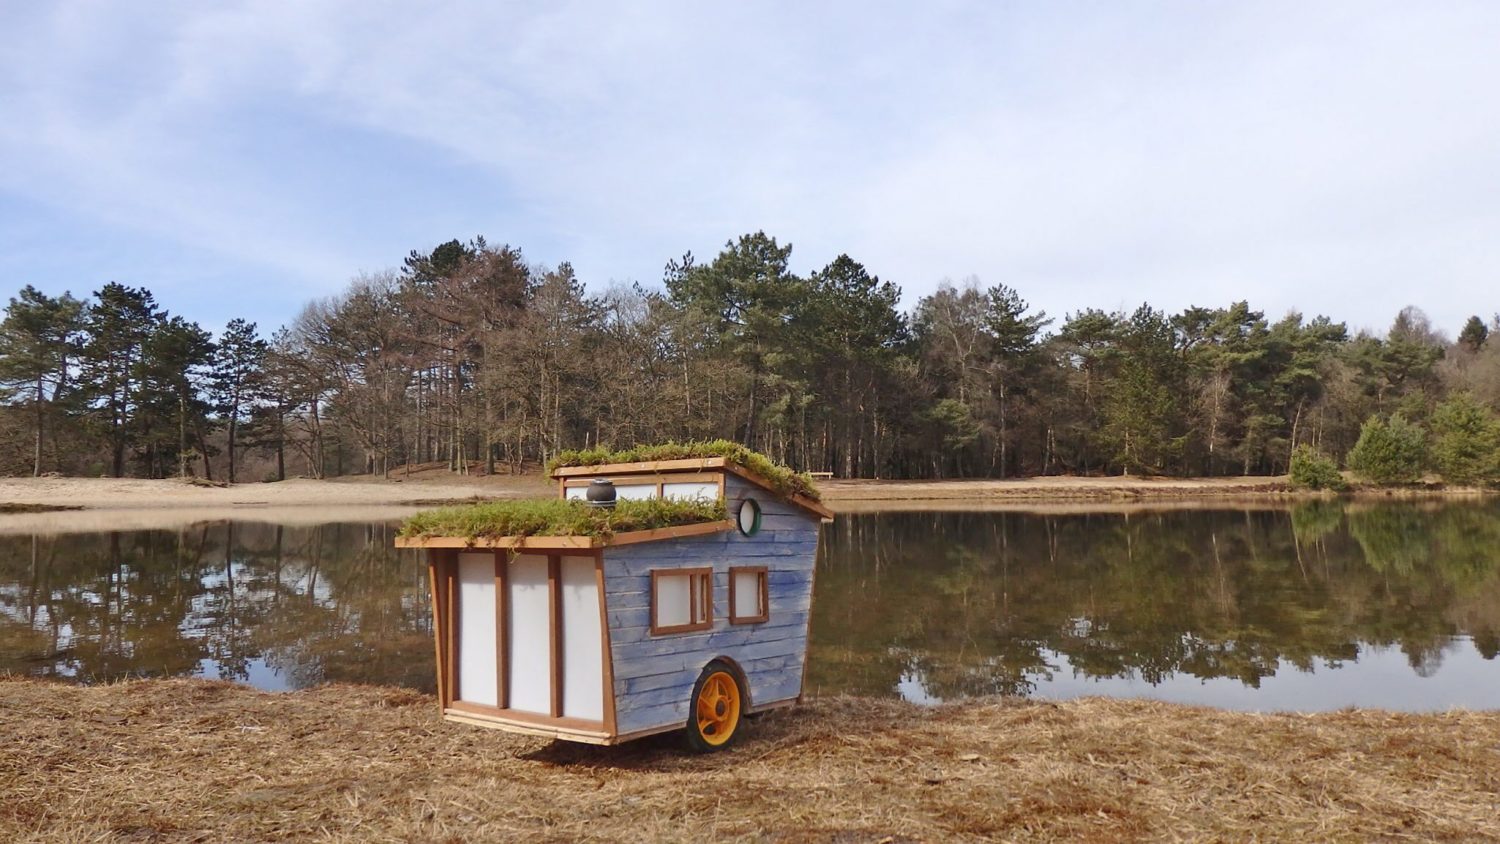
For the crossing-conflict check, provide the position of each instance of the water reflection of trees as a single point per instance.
(331, 602)
(983, 603)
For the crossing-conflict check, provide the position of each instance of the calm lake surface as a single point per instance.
(1315, 607)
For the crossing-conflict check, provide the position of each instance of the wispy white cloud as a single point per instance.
(1335, 157)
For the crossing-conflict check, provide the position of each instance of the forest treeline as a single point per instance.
(471, 356)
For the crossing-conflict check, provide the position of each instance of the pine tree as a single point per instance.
(1389, 451)
(1141, 409)
(1465, 441)
(238, 374)
(37, 339)
(1473, 336)
(1013, 333)
(174, 365)
(116, 327)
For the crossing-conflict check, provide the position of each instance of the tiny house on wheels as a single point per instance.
(652, 596)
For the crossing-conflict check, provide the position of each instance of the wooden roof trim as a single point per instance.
(671, 532)
(642, 468)
(689, 465)
(564, 543)
(814, 507)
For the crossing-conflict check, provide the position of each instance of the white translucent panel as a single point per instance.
(530, 635)
(582, 644)
(477, 674)
(632, 491)
(673, 600)
(707, 490)
(747, 594)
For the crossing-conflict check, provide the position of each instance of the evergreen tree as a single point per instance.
(1143, 400)
(37, 339)
(749, 296)
(1013, 346)
(1389, 451)
(116, 329)
(1465, 441)
(1473, 336)
(171, 412)
(852, 333)
(237, 379)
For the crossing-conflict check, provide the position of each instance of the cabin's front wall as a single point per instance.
(520, 638)
(654, 674)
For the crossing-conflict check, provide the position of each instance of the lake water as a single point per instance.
(1315, 607)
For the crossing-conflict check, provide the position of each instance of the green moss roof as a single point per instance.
(782, 479)
(560, 518)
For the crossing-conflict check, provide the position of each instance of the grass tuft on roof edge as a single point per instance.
(560, 518)
(782, 479)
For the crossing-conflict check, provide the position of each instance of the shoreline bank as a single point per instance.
(207, 760)
(57, 493)
(70, 505)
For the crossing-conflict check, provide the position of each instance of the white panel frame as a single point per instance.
(478, 674)
(706, 490)
(529, 635)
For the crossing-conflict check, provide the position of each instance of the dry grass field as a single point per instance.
(183, 760)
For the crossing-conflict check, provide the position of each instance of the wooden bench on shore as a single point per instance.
(821, 476)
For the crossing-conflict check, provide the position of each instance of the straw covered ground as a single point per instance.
(198, 760)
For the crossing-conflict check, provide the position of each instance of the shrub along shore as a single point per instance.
(198, 760)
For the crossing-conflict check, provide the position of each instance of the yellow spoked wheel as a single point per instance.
(718, 703)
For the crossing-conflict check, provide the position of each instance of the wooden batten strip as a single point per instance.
(610, 724)
(700, 529)
(555, 621)
(435, 585)
(645, 467)
(451, 674)
(502, 626)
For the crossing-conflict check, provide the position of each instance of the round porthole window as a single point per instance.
(749, 517)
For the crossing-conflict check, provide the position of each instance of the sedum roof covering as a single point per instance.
(488, 523)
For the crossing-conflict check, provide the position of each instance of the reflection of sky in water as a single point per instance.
(1382, 677)
(258, 674)
(928, 607)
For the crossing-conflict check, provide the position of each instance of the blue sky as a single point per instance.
(240, 159)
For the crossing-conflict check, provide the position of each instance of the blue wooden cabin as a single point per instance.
(603, 641)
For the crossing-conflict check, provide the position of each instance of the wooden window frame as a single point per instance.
(700, 593)
(655, 479)
(763, 582)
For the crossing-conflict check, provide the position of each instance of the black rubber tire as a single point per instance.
(694, 738)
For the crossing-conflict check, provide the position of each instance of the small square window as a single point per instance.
(682, 600)
(749, 595)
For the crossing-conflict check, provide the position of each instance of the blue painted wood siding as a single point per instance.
(654, 675)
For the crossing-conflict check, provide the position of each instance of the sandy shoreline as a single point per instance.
(99, 503)
(192, 760)
(134, 494)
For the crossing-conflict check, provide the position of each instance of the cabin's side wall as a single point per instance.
(654, 675)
